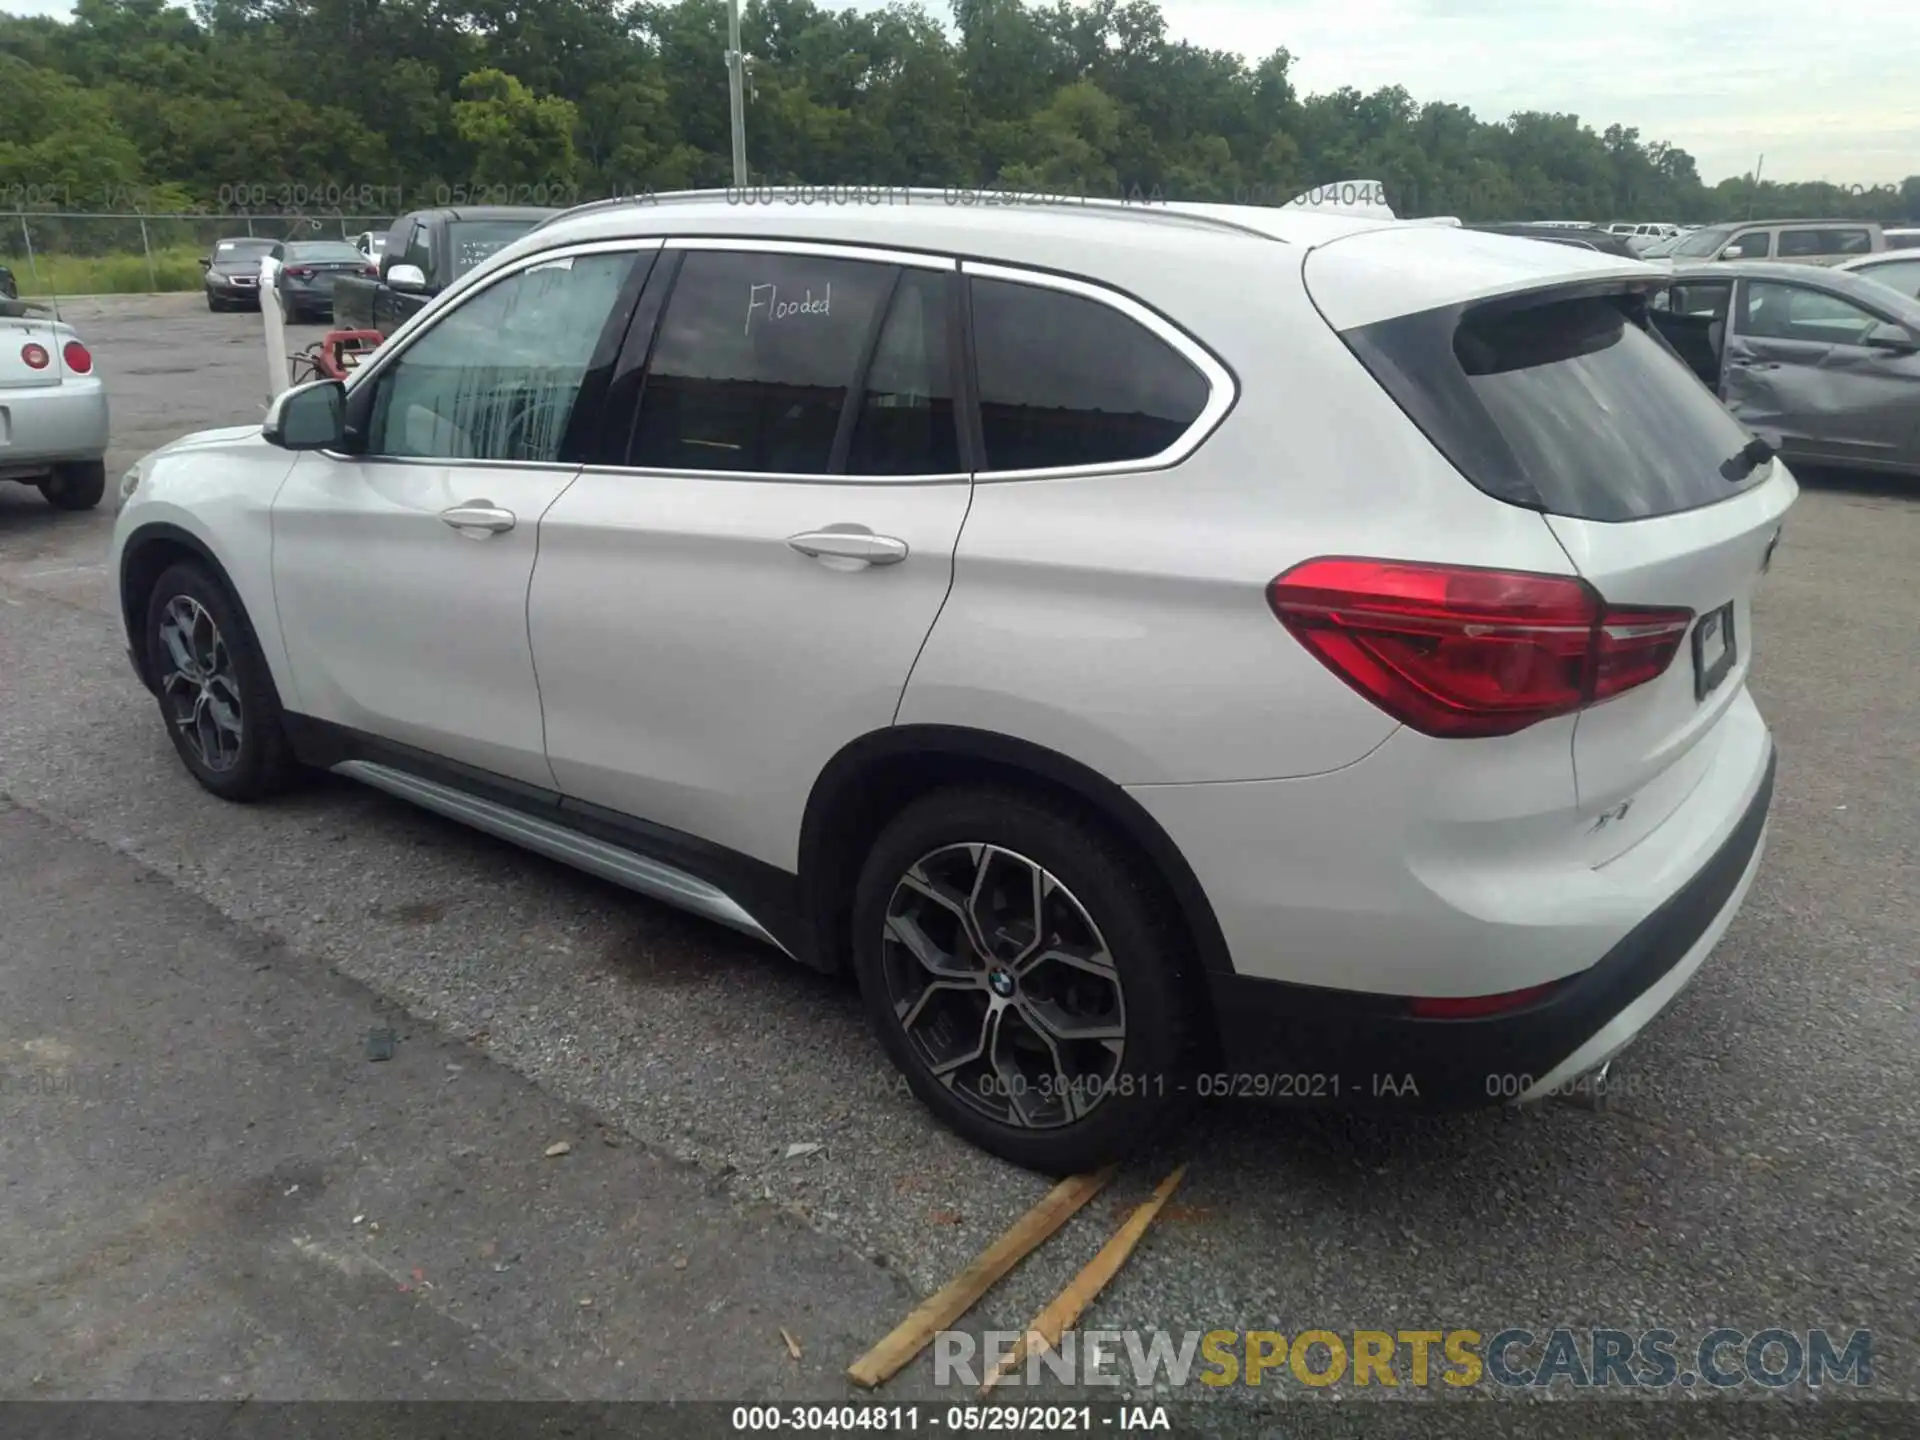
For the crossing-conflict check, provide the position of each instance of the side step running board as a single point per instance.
(623, 867)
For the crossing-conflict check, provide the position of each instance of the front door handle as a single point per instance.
(478, 518)
(858, 545)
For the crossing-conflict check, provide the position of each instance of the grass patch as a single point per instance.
(173, 269)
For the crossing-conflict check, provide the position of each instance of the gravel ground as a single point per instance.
(1759, 1170)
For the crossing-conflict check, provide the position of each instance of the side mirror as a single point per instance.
(206, 263)
(406, 277)
(308, 417)
(1889, 336)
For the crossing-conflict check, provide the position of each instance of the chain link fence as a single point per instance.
(54, 252)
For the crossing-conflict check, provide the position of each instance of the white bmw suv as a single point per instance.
(1160, 650)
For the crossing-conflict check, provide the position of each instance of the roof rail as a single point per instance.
(906, 194)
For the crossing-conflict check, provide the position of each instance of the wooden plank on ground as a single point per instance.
(1068, 1306)
(958, 1295)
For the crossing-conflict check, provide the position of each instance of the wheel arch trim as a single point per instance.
(840, 781)
(137, 544)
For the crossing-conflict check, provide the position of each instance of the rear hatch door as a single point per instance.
(1558, 396)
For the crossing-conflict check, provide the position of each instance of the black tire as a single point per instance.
(262, 763)
(214, 304)
(1105, 882)
(77, 486)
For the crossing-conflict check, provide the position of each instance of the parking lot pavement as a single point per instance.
(213, 1191)
(1757, 1168)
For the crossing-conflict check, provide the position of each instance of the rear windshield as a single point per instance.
(1565, 404)
(477, 240)
(328, 251)
(241, 249)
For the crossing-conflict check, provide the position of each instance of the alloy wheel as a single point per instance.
(1004, 985)
(199, 687)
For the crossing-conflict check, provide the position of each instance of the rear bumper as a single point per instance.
(46, 424)
(1286, 1041)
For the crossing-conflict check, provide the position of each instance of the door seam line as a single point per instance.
(953, 574)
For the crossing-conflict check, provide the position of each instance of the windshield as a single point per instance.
(476, 240)
(1660, 247)
(1704, 242)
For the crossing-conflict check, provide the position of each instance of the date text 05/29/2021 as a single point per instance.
(932, 1417)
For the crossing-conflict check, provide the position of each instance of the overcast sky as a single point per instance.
(1824, 91)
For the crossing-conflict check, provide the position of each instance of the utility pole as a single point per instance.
(736, 64)
(1753, 196)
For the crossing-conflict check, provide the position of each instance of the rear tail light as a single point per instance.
(35, 356)
(372, 272)
(301, 272)
(79, 359)
(1461, 652)
(1473, 1007)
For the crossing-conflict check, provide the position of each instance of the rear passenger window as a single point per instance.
(1066, 380)
(753, 361)
(1824, 242)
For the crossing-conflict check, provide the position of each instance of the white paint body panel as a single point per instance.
(218, 486)
(399, 625)
(699, 672)
(1437, 867)
(1122, 620)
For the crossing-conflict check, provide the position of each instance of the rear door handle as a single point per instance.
(478, 518)
(861, 545)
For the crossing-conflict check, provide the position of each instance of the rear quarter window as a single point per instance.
(1565, 404)
(1066, 380)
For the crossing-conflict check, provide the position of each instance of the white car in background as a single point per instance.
(1161, 652)
(53, 408)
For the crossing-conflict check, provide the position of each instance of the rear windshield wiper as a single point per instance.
(1752, 456)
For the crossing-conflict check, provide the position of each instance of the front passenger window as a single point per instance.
(497, 377)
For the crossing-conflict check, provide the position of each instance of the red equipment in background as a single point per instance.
(334, 356)
(342, 351)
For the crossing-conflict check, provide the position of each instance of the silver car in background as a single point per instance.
(53, 408)
(1897, 268)
(1823, 364)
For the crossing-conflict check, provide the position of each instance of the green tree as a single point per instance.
(514, 136)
